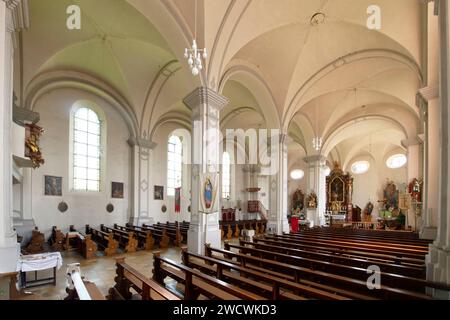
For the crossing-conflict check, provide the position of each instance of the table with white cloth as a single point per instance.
(38, 262)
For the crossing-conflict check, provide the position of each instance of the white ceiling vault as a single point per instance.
(352, 86)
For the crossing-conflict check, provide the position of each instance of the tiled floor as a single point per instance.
(100, 270)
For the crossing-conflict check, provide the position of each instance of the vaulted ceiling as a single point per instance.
(338, 79)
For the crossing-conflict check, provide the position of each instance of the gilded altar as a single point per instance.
(339, 190)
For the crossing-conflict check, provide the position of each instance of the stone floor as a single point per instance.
(100, 270)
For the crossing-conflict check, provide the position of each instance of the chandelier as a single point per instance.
(194, 57)
(317, 143)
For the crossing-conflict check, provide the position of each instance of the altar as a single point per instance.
(38, 262)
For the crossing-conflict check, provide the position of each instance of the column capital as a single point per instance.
(140, 142)
(414, 141)
(428, 93)
(20, 13)
(316, 158)
(205, 96)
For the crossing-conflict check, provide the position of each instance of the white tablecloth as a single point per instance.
(38, 262)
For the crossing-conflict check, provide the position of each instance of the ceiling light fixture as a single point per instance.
(194, 54)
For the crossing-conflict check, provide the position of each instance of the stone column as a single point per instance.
(206, 105)
(140, 196)
(414, 148)
(316, 182)
(427, 99)
(278, 184)
(438, 259)
(12, 18)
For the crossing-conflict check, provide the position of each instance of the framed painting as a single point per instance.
(53, 186)
(117, 190)
(158, 193)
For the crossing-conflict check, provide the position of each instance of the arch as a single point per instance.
(250, 78)
(292, 106)
(72, 79)
(338, 135)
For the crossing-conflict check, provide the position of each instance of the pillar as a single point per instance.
(427, 101)
(12, 18)
(316, 182)
(278, 184)
(206, 105)
(141, 149)
(414, 147)
(438, 259)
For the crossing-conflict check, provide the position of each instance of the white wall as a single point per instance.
(158, 176)
(84, 208)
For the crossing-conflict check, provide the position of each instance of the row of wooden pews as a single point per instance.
(233, 229)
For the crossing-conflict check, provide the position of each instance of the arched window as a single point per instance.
(174, 164)
(86, 150)
(226, 175)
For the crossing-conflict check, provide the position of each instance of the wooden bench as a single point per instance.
(129, 278)
(173, 233)
(390, 279)
(57, 239)
(297, 274)
(104, 239)
(370, 256)
(126, 239)
(196, 283)
(353, 246)
(145, 238)
(417, 272)
(271, 287)
(159, 236)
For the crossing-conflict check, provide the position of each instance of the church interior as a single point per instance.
(224, 150)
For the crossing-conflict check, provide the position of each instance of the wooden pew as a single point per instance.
(362, 262)
(36, 244)
(406, 253)
(79, 288)
(173, 233)
(196, 283)
(390, 279)
(271, 287)
(104, 239)
(372, 236)
(129, 278)
(370, 256)
(298, 274)
(158, 235)
(414, 244)
(83, 243)
(125, 239)
(57, 239)
(145, 238)
(9, 280)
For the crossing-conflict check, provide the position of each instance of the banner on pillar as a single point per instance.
(177, 199)
(208, 192)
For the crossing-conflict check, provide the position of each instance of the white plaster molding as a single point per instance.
(20, 13)
(140, 142)
(429, 93)
(411, 142)
(202, 95)
(316, 158)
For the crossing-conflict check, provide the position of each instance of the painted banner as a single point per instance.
(208, 192)
(177, 199)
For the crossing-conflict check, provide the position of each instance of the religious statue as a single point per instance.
(312, 200)
(32, 149)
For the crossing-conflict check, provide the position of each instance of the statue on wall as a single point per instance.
(32, 149)
(312, 200)
(415, 189)
(298, 199)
